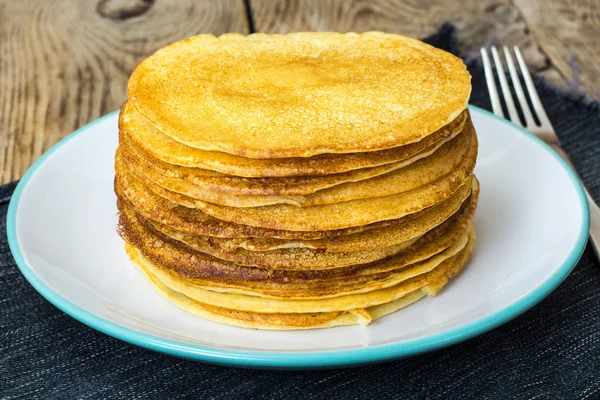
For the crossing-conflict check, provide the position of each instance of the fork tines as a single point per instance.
(529, 121)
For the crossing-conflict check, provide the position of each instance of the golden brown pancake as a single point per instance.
(216, 274)
(394, 232)
(210, 181)
(370, 239)
(196, 222)
(290, 259)
(331, 216)
(443, 161)
(320, 289)
(144, 136)
(437, 276)
(275, 321)
(301, 94)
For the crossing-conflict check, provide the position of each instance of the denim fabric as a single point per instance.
(550, 352)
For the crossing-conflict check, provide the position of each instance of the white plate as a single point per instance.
(532, 224)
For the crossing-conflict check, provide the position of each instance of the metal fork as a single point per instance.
(544, 130)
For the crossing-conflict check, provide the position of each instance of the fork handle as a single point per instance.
(594, 209)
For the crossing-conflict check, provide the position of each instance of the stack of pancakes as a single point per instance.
(297, 181)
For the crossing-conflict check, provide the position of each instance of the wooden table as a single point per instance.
(64, 63)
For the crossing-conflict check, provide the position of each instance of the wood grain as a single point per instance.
(568, 31)
(64, 63)
(556, 37)
(478, 22)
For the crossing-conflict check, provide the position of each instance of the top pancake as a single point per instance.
(301, 94)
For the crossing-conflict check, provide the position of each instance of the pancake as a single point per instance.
(321, 289)
(301, 94)
(371, 239)
(274, 321)
(196, 222)
(436, 277)
(208, 271)
(395, 232)
(144, 136)
(289, 259)
(342, 215)
(209, 181)
(421, 172)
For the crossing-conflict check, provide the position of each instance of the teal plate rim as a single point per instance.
(299, 360)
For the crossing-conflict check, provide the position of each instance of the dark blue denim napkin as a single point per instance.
(550, 352)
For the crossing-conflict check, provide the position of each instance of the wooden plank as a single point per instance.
(568, 31)
(64, 63)
(478, 22)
